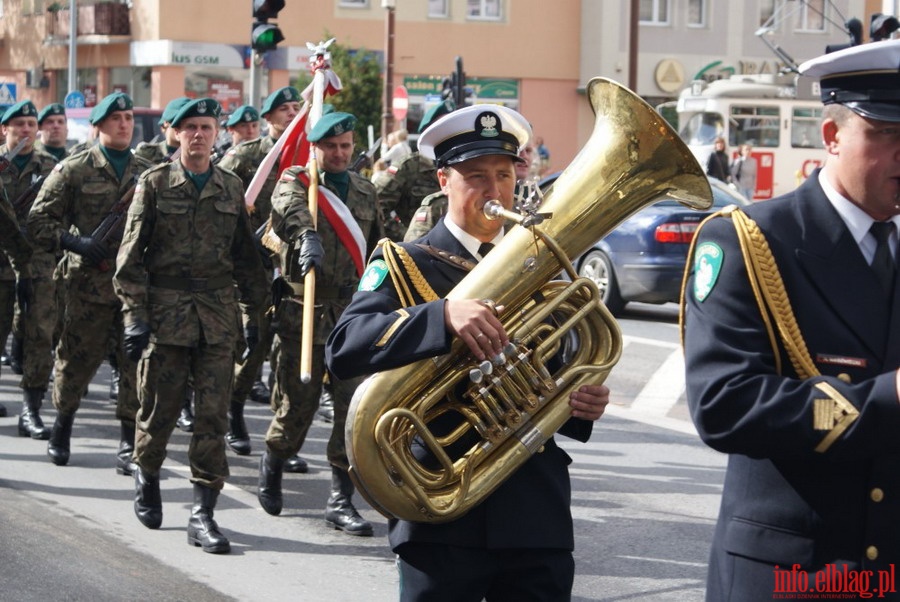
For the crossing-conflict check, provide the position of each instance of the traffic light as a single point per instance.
(454, 87)
(265, 36)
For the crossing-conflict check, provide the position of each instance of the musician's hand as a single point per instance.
(136, 339)
(589, 401)
(92, 250)
(24, 294)
(311, 252)
(477, 325)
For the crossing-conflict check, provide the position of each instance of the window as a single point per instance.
(488, 10)
(768, 9)
(438, 8)
(811, 16)
(805, 131)
(354, 3)
(654, 12)
(696, 13)
(755, 125)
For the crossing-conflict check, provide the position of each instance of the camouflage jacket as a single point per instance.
(182, 253)
(401, 189)
(77, 195)
(152, 152)
(13, 243)
(244, 159)
(15, 182)
(432, 209)
(337, 279)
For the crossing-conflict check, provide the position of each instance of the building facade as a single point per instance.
(531, 55)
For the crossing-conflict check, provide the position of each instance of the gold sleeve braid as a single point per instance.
(835, 413)
(405, 273)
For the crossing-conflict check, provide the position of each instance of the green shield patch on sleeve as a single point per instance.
(374, 275)
(707, 265)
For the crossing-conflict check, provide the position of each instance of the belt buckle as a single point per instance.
(198, 285)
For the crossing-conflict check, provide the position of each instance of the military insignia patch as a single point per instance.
(374, 276)
(707, 264)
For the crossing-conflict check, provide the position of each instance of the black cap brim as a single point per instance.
(879, 111)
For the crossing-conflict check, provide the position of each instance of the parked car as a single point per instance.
(146, 125)
(643, 258)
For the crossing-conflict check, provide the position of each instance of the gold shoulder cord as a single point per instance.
(399, 264)
(835, 413)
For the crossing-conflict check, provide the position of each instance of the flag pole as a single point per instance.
(320, 64)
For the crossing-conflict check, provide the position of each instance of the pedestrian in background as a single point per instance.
(717, 164)
(187, 244)
(743, 171)
(791, 316)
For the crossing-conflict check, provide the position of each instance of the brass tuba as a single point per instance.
(510, 407)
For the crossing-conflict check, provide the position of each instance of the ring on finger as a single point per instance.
(479, 335)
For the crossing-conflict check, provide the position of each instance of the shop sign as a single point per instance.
(482, 87)
(170, 52)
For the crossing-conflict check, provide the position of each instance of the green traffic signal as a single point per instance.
(265, 37)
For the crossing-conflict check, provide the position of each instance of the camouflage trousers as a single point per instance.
(163, 374)
(38, 331)
(83, 345)
(295, 402)
(7, 308)
(245, 374)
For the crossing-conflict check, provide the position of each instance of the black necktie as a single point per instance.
(485, 248)
(883, 262)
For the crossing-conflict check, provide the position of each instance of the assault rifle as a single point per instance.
(24, 200)
(6, 160)
(112, 227)
(365, 158)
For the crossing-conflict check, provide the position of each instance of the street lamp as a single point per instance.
(387, 116)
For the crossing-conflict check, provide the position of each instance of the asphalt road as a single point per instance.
(645, 497)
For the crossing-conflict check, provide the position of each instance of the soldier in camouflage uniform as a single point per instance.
(79, 193)
(54, 130)
(187, 243)
(32, 334)
(18, 251)
(157, 152)
(336, 279)
(278, 110)
(401, 188)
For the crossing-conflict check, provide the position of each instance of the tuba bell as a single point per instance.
(504, 410)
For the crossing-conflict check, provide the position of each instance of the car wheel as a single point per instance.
(598, 268)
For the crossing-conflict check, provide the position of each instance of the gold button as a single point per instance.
(876, 494)
(843, 376)
(541, 450)
(872, 553)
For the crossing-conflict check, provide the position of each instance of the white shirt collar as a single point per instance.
(467, 240)
(857, 220)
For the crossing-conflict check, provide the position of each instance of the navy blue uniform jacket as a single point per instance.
(531, 509)
(783, 502)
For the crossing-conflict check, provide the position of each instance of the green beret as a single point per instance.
(332, 124)
(23, 108)
(327, 108)
(51, 109)
(279, 97)
(436, 112)
(172, 109)
(201, 107)
(242, 114)
(117, 101)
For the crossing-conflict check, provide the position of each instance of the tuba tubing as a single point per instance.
(510, 408)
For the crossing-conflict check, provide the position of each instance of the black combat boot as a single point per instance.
(296, 464)
(3, 412)
(202, 529)
(147, 499)
(60, 439)
(16, 353)
(269, 492)
(326, 405)
(339, 512)
(124, 463)
(186, 418)
(30, 423)
(113, 376)
(260, 393)
(238, 439)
